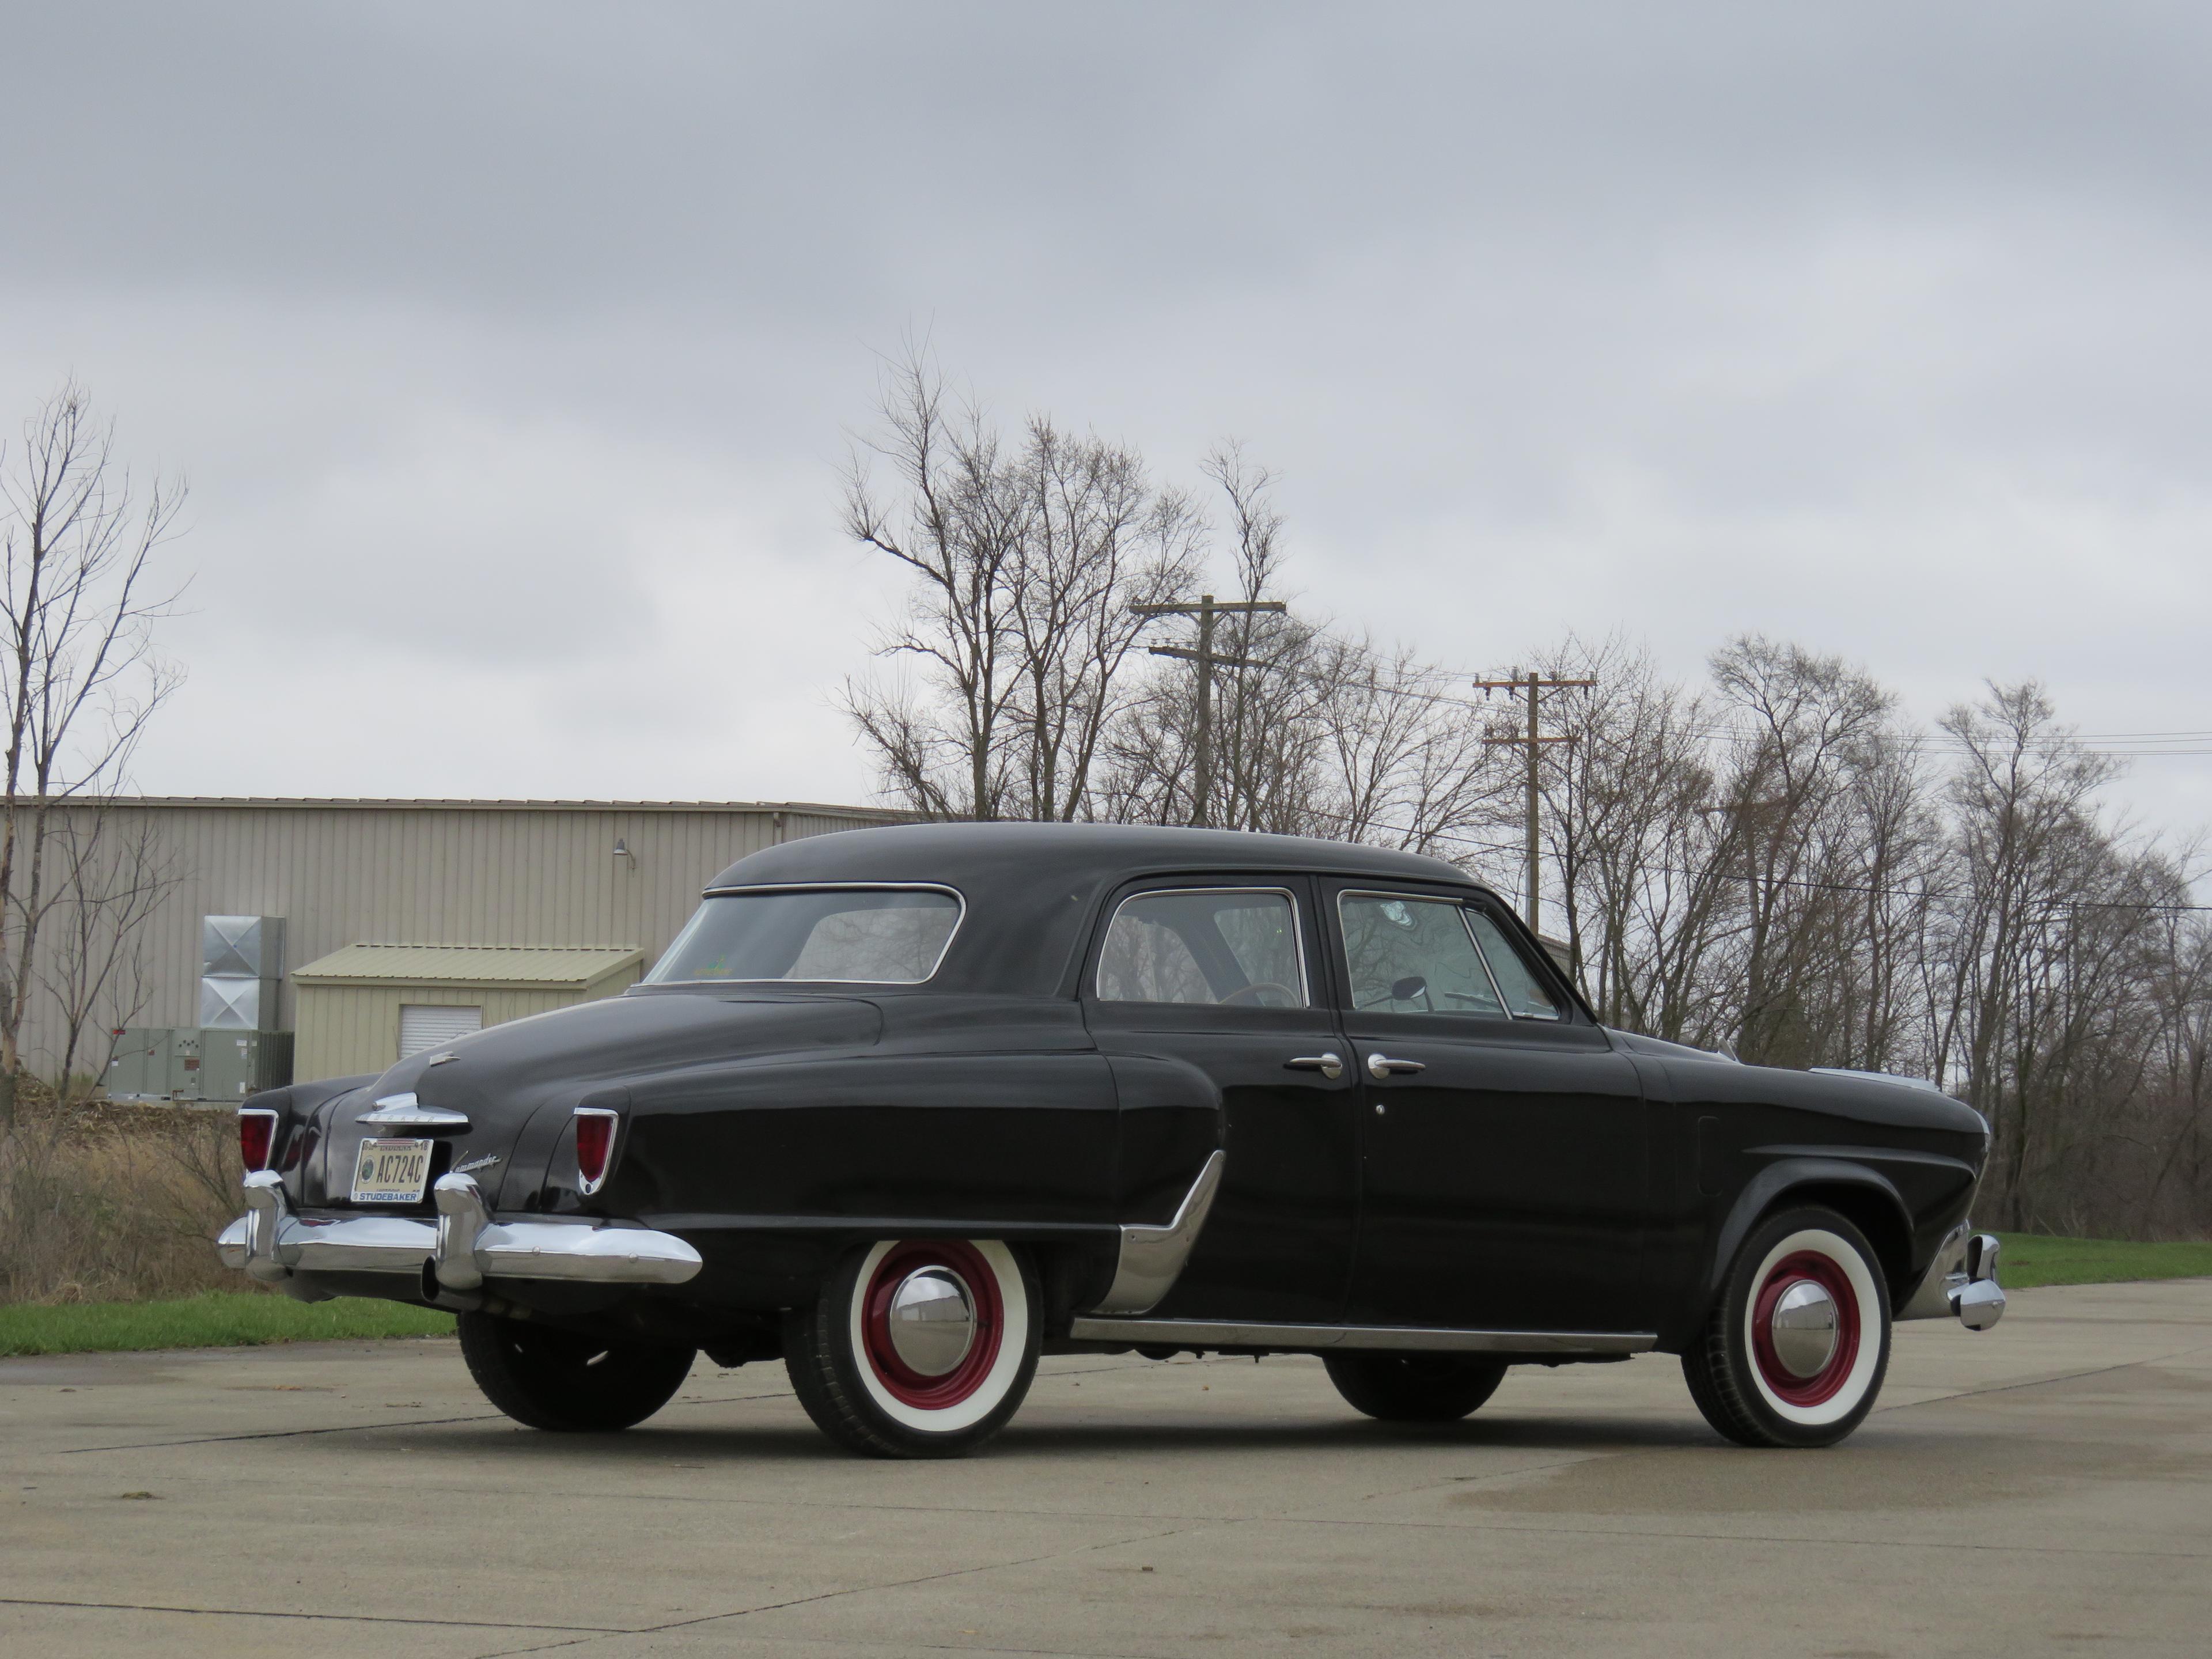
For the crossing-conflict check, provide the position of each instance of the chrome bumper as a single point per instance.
(464, 1247)
(1961, 1282)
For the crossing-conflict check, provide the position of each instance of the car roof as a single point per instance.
(947, 852)
(1031, 889)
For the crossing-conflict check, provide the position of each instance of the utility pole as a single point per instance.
(1531, 686)
(1206, 611)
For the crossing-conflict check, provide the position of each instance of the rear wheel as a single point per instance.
(917, 1348)
(1798, 1342)
(1413, 1388)
(548, 1378)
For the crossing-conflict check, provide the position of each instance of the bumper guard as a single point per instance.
(464, 1247)
(1961, 1282)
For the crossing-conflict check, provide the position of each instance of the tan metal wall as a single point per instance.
(350, 1029)
(432, 872)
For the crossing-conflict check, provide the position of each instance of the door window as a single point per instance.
(1232, 945)
(1414, 955)
(1523, 991)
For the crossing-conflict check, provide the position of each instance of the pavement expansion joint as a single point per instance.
(2041, 1382)
(821, 1597)
(1826, 1540)
(357, 1428)
(319, 1618)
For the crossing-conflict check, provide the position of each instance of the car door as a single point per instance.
(1503, 1152)
(1205, 984)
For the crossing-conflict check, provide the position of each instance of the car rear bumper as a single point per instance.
(464, 1247)
(1961, 1282)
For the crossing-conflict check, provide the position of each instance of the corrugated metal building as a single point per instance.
(616, 878)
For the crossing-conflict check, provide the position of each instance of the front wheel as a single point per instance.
(1798, 1342)
(547, 1378)
(1413, 1388)
(917, 1348)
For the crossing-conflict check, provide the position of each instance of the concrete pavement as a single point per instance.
(2045, 1488)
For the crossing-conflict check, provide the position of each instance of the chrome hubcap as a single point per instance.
(1806, 1326)
(932, 1321)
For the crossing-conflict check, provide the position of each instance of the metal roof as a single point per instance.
(577, 966)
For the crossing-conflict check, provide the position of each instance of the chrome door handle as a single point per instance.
(1381, 1065)
(1326, 1063)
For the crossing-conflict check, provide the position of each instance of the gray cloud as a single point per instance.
(512, 347)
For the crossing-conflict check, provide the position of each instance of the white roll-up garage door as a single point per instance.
(427, 1025)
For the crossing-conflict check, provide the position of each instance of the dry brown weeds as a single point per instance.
(105, 1202)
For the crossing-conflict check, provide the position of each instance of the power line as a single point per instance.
(2118, 745)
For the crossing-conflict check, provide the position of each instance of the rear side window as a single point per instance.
(870, 936)
(1238, 946)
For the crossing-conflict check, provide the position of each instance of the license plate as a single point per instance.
(392, 1171)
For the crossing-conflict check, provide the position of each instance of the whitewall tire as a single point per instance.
(1797, 1344)
(917, 1348)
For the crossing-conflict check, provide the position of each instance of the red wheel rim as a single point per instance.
(900, 1380)
(1805, 1267)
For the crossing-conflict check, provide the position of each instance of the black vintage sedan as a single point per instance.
(906, 1108)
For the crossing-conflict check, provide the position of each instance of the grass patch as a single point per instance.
(214, 1319)
(2032, 1259)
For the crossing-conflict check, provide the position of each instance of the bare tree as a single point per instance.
(80, 595)
(956, 526)
(1807, 728)
(1640, 866)
(1031, 557)
(1772, 862)
(115, 871)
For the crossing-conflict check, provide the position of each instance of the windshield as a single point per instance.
(873, 935)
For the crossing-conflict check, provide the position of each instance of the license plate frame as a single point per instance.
(392, 1171)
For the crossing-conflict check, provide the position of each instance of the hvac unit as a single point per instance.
(241, 962)
(185, 1062)
(235, 1064)
(143, 1064)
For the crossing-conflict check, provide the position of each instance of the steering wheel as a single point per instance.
(1255, 990)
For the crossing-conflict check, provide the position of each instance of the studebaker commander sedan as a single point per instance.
(906, 1107)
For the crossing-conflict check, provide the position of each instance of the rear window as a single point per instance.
(871, 935)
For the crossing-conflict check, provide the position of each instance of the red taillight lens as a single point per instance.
(595, 1146)
(257, 1137)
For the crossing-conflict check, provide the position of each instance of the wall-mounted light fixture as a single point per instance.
(621, 850)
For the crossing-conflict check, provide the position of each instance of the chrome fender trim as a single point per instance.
(1152, 1258)
(464, 1247)
(1212, 1333)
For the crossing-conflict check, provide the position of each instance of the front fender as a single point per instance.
(1770, 1183)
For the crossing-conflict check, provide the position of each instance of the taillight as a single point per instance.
(595, 1146)
(257, 1136)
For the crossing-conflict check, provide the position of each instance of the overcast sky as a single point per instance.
(512, 350)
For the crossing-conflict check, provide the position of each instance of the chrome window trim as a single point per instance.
(1504, 1008)
(1298, 936)
(954, 893)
